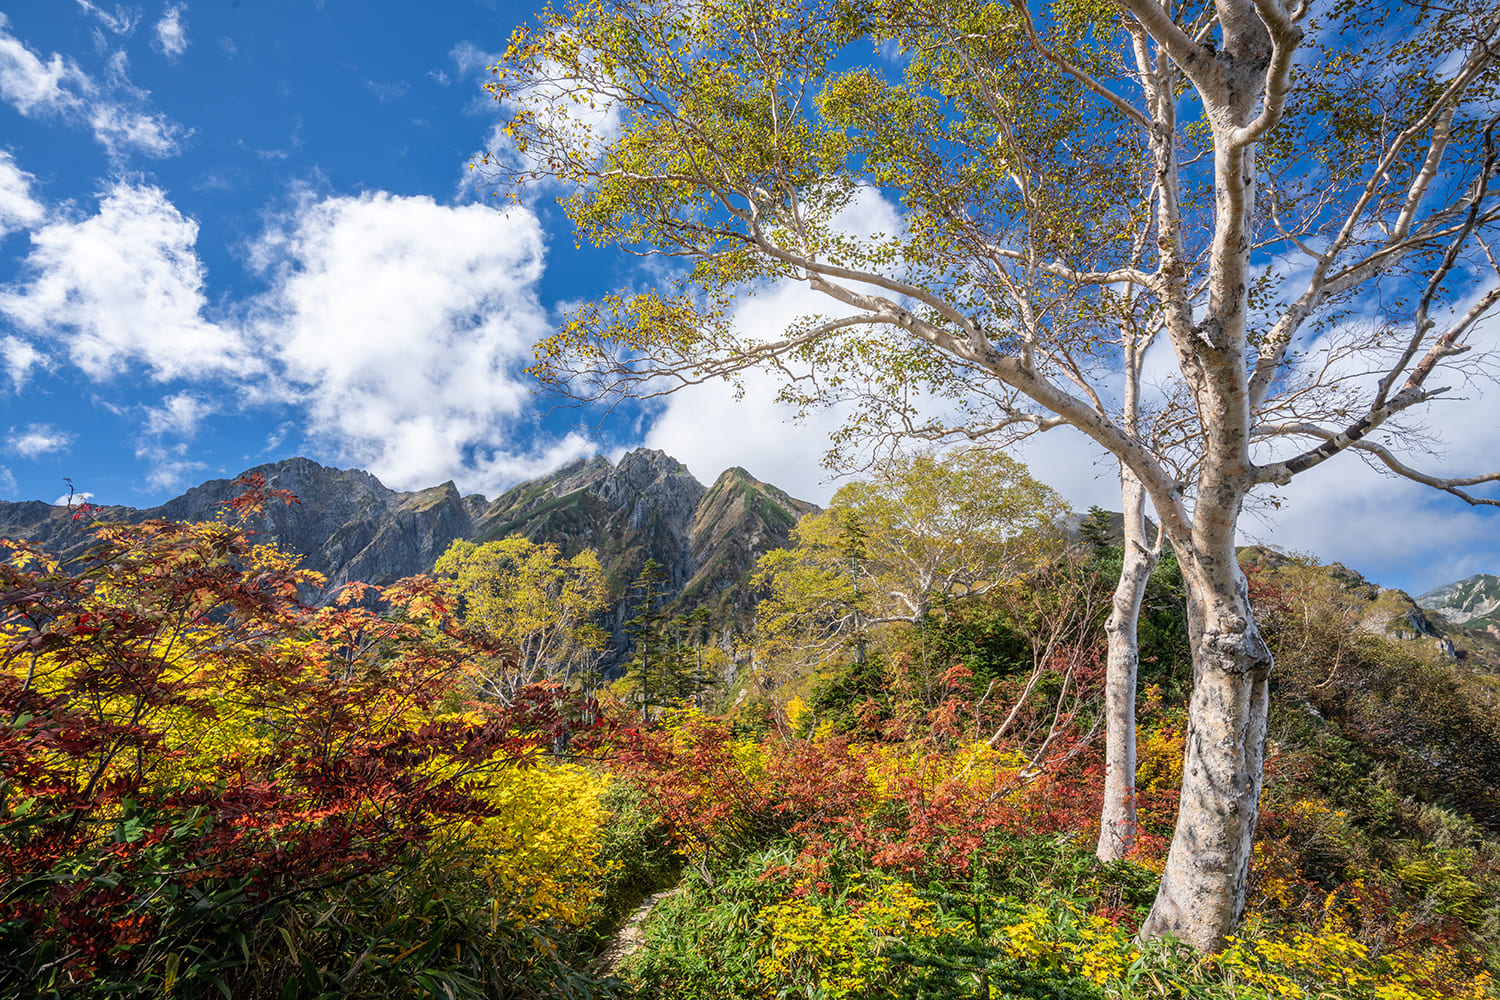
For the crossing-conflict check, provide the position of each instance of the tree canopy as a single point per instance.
(1290, 200)
(527, 599)
(897, 546)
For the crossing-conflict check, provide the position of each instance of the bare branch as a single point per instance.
(1453, 485)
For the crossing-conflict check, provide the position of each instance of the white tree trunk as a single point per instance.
(1202, 893)
(1117, 820)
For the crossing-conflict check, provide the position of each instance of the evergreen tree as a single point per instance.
(689, 677)
(648, 635)
(1098, 531)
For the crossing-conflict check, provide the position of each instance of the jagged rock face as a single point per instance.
(651, 507)
(350, 527)
(641, 509)
(738, 520)
(1478, 597)
(346, 525)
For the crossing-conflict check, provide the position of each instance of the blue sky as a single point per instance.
(241, 230)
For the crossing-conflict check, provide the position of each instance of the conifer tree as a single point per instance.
(648, 634)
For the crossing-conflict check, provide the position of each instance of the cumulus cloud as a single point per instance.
(178, 416)
(397, 326)
(470, 60)
(171, 32)
(709, 430)
(168, 467)
(18, 209)
(1398, 532)
(36, 440)
(116, 111)
(19, 358)
(123, 286)
(402, 325)
(33, 86)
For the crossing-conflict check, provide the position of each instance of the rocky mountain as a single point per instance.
(1395, 614)
(350, 527)
(1475, 601)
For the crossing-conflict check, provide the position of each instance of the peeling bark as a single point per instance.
(1117, 821)
(1202, 893)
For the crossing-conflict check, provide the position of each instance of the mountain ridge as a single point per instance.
(350, 527)
(1473, 598)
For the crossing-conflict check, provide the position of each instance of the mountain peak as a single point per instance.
(349, 526)
(1475, 597)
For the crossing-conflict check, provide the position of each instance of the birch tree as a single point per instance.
(1291, 199)
(532, 602)
(924, 530)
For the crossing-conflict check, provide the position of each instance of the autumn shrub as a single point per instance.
(207, 786)
(838, 945)
(721, 793)
(1299, 964)
(539, 849)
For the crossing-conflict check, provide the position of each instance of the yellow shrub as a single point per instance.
(1303, 965)
(1159, 756)
(540, 855)
(1069, 940)
(796, 709)
(838, 946)
(978, 766)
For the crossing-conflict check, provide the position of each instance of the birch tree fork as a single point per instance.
(1252, 175)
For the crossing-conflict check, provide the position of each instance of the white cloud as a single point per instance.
(72, 499)
(178, 416)
(36, 440)
(709, 430)
(470, 59)
(171, 32)
(33, 86)
(19, 358)
(115, 110)
(7, 481)
(116, 128)
(170, 469)
(18, 209)
(123, 286)
(402, 325)
(1395, 532)
(121, 21)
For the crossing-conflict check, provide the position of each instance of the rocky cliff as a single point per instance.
(1395, 614)
(349, 526)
